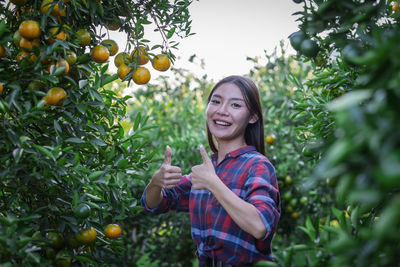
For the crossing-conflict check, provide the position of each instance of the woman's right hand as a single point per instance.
(167, 176)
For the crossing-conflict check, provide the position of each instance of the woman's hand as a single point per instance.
(203, 175)
(167, 176)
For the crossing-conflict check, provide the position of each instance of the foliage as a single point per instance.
(355, 88)
(57, 157)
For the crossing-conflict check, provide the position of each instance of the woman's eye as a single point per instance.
(214, 101)
(236, 105)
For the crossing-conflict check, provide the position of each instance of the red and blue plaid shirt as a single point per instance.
(250, 176)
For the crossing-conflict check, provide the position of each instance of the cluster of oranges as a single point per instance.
(87, 236)
(139, 57)
(31, 40)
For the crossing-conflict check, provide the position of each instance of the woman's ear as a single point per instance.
(253, 119)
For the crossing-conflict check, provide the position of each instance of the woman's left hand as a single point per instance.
(203, 175)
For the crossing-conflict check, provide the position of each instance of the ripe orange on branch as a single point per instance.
(270, 139)
(100, 54)
(84, 37)
(113, 231)
(161, 62)
(3, 51)
(121, 58)
(113, 26)
(141, 75)
(46, 4)
(29, 29)
(123, 70)
(56, 34)
(55, 97)
(63, 63)
(86, 236)
(140, 55)
(28, 44)
(70, 57)
(111, 45)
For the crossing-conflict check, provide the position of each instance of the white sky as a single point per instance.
(228, 31)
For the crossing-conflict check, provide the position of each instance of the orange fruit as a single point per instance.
(56, 11)
(140, 54)
(395, 6)
(295, 215)
(17, 37)
(123, 70)
(121, 58)
(270, 139)
(111, 45)
(63, 63)
(60, 35)
(141, 75)
(1, 88)
(21, 55)
(86, 236)
(84, 37)
(100, 54)
(3, 51)
(70, 57)
(161, 62)
(46, 4)
(113, 231)
(29, 29)
(28, 44)
(35, 85)
(55, 97)
(113, 26)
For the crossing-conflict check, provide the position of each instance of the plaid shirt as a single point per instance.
(250, 176)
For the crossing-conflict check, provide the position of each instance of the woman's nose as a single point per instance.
(222, 109)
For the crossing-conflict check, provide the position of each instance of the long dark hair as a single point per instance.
(254, 133)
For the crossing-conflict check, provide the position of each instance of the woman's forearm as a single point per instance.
(153, 195)
(244, 214)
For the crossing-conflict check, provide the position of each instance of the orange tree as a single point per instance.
(349, 110)
(68, 167)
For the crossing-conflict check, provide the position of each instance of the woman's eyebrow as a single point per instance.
(233, 98)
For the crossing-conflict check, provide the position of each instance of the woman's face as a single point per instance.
(227, 114)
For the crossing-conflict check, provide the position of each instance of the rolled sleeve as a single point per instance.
(262, 192)
(175, 199)
(159, 209)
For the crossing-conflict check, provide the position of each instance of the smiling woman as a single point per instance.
(233, 198)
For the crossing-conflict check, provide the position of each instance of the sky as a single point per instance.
(229, 31)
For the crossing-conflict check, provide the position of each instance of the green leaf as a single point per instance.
(75, 199)
(171, 32)
(59, 71)
(44, 151)
(95, 175)
(57, 127)
(97, 142)
(83, 83)
(75, 140)
(350, 99)
(123, 163)
(108, 78)
(17, 154)
(3, 28)
(137, 121)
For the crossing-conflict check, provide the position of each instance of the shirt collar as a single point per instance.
(235, 153)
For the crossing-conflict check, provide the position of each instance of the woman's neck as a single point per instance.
(226, 147)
